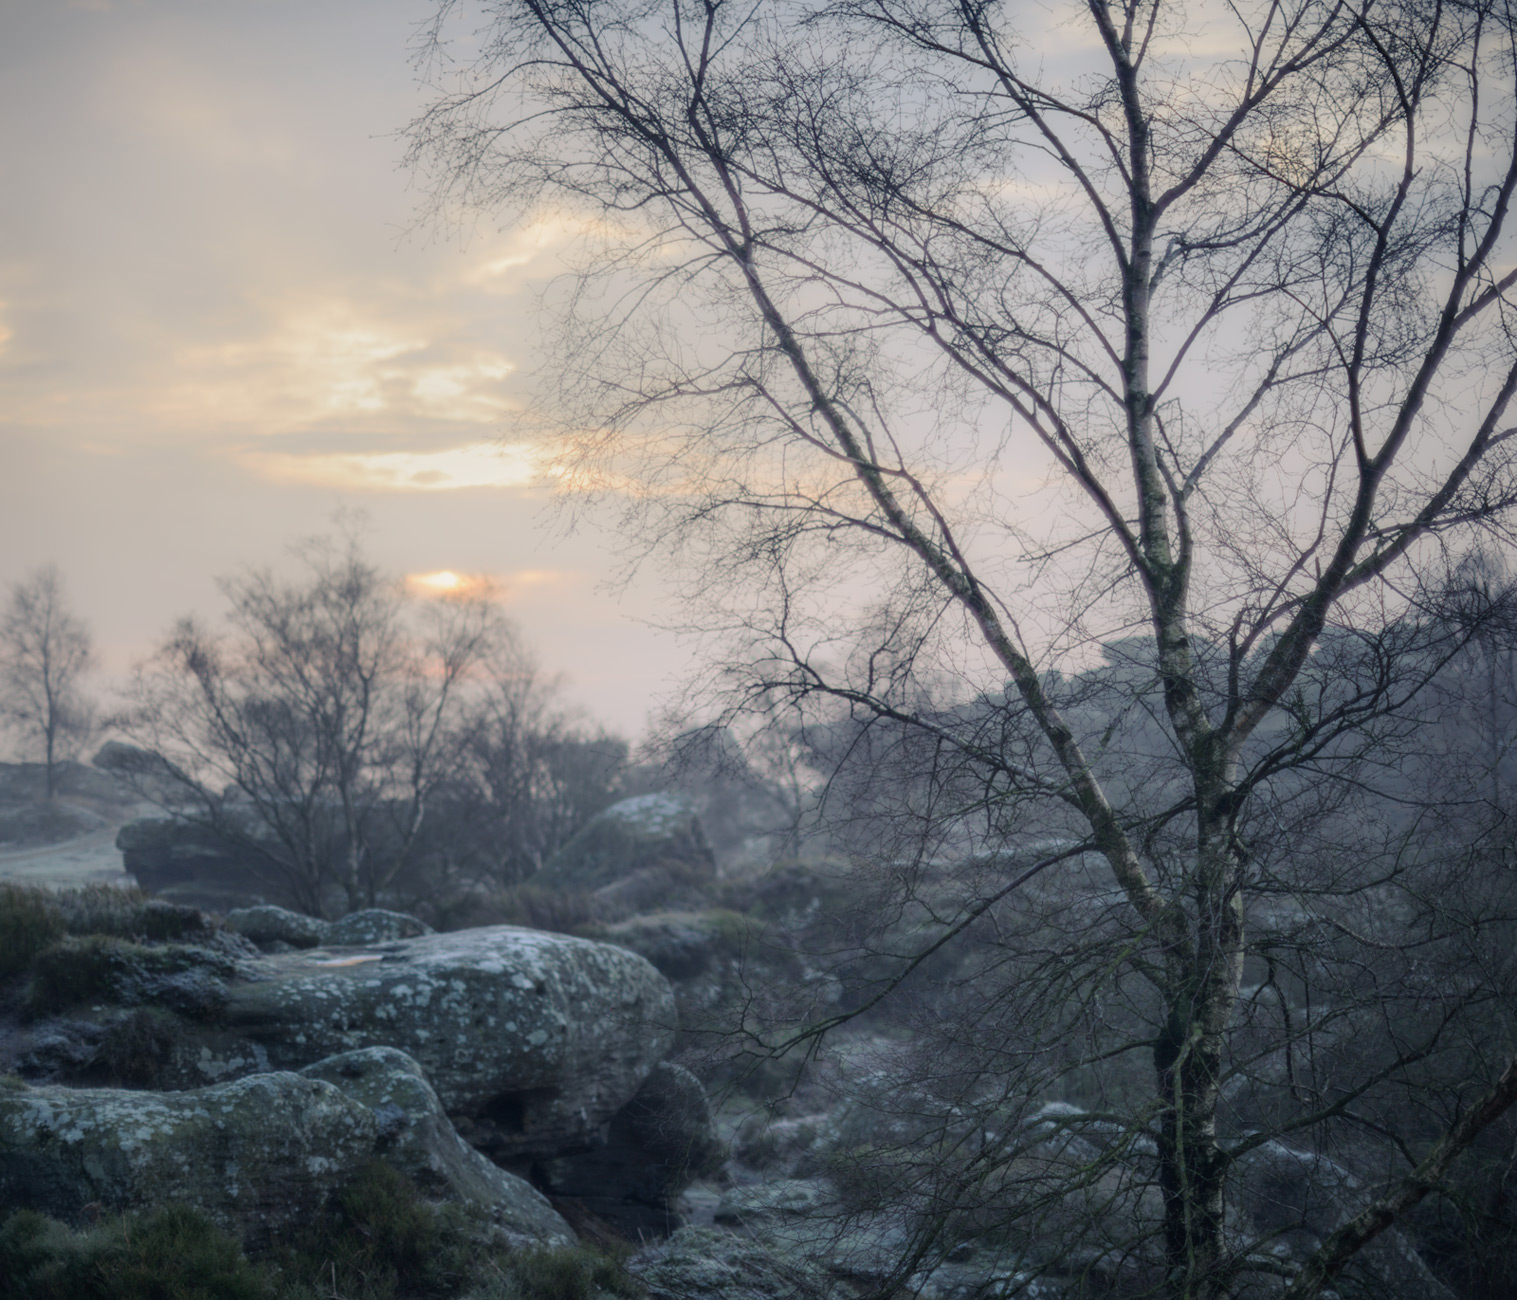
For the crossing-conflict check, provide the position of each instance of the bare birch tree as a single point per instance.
(952, 340)
(44, 651)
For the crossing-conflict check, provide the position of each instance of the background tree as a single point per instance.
(347, 739)
(953, 348)
(44, 652)
(318, 729)
(527, 775)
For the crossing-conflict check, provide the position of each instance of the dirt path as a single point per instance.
(89, 860)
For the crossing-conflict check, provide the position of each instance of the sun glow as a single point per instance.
(447, 582)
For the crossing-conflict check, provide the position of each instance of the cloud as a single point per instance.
(529, 251)
(332, 359)
(476, 465)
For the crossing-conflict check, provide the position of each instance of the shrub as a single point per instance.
(73, 971)
(33, 920)
(538, 907)
(125, 913)
(29, 922)
(136, 1047)
(174, 1253)
(380, 1240)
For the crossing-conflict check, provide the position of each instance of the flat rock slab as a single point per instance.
(260, 1155)
(532, 1041)
(267, 925)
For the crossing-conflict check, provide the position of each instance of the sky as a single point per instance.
(220, 324)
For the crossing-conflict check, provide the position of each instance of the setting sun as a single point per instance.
(445, 582)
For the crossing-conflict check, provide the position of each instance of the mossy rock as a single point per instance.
(653, 840)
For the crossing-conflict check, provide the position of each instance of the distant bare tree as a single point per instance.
(530, 775)
(44, 651)
(318, 729)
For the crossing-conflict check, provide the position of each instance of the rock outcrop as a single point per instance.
(638, 853)
(533, 1041)
(655, 1145)
(275, 928)
(278, 929)
(193, 864)
(260, 1155)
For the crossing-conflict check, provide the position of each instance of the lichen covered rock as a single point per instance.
(420, 1142)
(372, 925)
(260, 1155)
(533, 1041)
(265, 924)
(269, 927)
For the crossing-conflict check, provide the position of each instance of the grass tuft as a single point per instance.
(174, 1253)
(576, 1273)
(74, 971)
(29, 922)
(125, 913)
(380, 1241)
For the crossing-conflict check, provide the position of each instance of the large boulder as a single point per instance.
(190, 863)
(658, 1142)
(259, 1155)
(421, 1142)
(270, 926)
(373, 925)
(638, 853)
(533, 1041)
